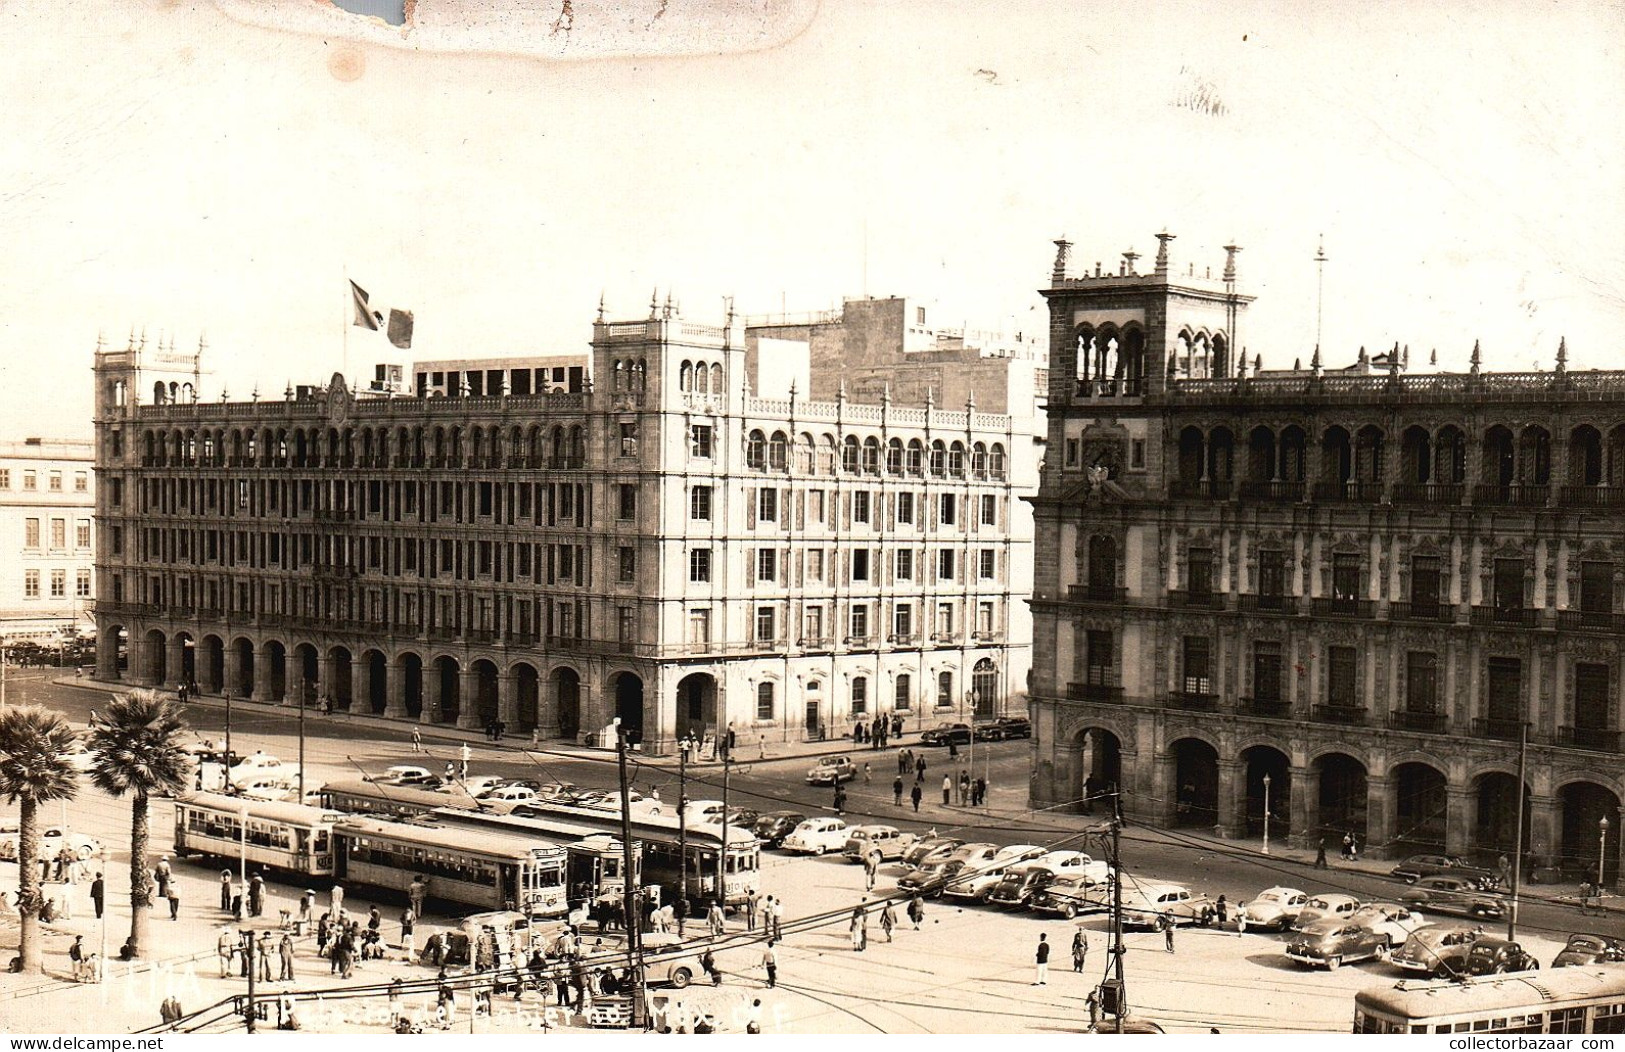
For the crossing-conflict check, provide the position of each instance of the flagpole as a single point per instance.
(344, 318)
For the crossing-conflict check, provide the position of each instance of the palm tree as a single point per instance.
(138, 749)
(33, 771)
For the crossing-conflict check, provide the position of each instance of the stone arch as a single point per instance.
(1420, 790)
(1267, 760)
(305, 672)
(211, 665)
(697, 710)
(1495, 819)
(187, 673)
(445, 684)
(375, 668)
(566, 690)
(527, 694)
(1100, 766)
(1583, 804)
(484, 703)
(155, 658)
(1340, 793)
(1196, 781)
(275, 672)
(627, 690)
(340, 678)
(242, 684)
(409, 666)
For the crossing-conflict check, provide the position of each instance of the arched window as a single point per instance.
(826, 455)
(978, 460)
(903, 695)
(894, 457)
(778, 452)
(619, 377)
(860, 695)
(945, 690)
(984, 687)
(916, 458)
(996, 461)
(702, 378)
(685, 376)
(871, 456)
(849, 455)
(939, 458)
(756, 451)
(956, 460)
(764, 701)
(804, 454)
(716, 378)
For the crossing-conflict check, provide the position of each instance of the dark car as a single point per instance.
(931, 847)
(1499, 955)
(930, 879)
(743, 817)
(1437, 949)
(947, 734)
(1453, 894)
(1334, 941)
(1014, 727)
(1416, 867)
(1589, 949)
(773, 827)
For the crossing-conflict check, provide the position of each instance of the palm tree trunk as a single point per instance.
(28, 884)
(140, 879)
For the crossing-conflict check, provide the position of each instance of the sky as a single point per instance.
(222, 168)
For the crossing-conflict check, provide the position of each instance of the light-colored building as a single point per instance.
(47, 497)
(662, 545)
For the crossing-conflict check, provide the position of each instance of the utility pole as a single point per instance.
(631, 885)
(3, 658)
(722, 855)
(248, 955)
(301, 746)
(1117, 909)
(226, 761)
(682, 819)
(1517, 842)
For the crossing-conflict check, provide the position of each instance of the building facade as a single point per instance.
(1345, 593)
(47, 500)
(659, 545)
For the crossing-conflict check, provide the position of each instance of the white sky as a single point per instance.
(163, 164)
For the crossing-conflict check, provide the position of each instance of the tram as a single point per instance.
(293, 838)
(1576, 1000)
(391, 801)
(489, 868)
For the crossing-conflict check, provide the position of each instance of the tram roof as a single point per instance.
(488, 840)
(404, 794)
(1486, 993)
(644, 827)
(274, 810)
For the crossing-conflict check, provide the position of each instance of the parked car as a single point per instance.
(928, 848)
(79, 757)
(256, 764)
(1334, 941)
(832, 770)
(1494, 956)
(559, 792)
(51, 840)
(1018, 853)
(1589, 949)
(1416, 867)
(1320, 907)
(511, 794)
(1438, 950)
(1003, 729)
(1144, 903)
(976, 885)
(1272, 908)
(406, 774)
(267, 787)
(1390, 919)
(773, 827)
(1021, 884)
(977, 854)
(880, 843)
(665, 963)
(475, 785)
(743, 817)
(931, 879)
(1072, 895)
(946, 734)
(1070, 863)
(816, 836)
(1452, 894)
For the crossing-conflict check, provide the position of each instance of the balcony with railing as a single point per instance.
(1267, 604)
(1505, 616)
(1193, 701)
(1591, 620)
(1110, 387)
(1200, 489)
(1206, 600)
(1512, 496)
(1337, 606)
(1348, 492)
(1595, 739)
(1095, 593)
(1269, 708)
(1593, 496)
(1428, 493)
(1347, 715)
(1497, 728)
(1272, 492)
(1437, 612)
(1104, 693)
(1425, 722)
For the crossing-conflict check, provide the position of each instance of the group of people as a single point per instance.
(495, 729)
(886, 919)
(874, 733)
(1349, 853)
(239, 951)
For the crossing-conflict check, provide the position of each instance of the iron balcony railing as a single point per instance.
(1428, 492)
(1272, 708)
(1512, 616)
(1276, 604)
(1435, 611)
(1351, 715)
(1278, 492)
(1193, 701)
(1591, 620)
(1519, 496)
(1498, 728)
(1097, 692)
(1095, 593)
(1597, 739)
(1426, 722)
(1331, 606)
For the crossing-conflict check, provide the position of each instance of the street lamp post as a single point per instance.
(1602, 852)
(242, 847)
(101, 958)
(1266, 813)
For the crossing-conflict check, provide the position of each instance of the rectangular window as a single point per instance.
(82, 534)
(1506, 690)
(1201, 572)
(5, 477)
(699, 504)
(81, 583)
(813, 623)
(628, 501)
(81, 482)
(815, 565)
(905, 564)
(699, 565)
(765, 624)
(1590, 697)
(990, 510)
(987, 564)
(30, 533)
(816, 500)
(1422, 681)
(945, 564)
(860, 506)
(903, 620)
(1508, 584)
(860, 564)
(1597, 587)
(1340, 677)
(59, 584)
(905, 508)
(30, 584)
(1272, 572)
(1098, 657)
(1345, 577)
(699, 626)
(1136, 454)
(1425, 592)
(860, 695)
(984, 619)
(764, 701)
(950, 509)
(1071, 452)
(629, 438)
(629, 565)
(29, 480)
(945, 620)
(860, 621)
(626, 624)
(1198, 665)
(699, 441)
(767, 505)
(56, 482)
(1267, 670)
(903, 694)
(767, 564)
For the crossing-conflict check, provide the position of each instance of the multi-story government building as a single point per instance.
(652, 539)
(1348, 591)
(46, 504)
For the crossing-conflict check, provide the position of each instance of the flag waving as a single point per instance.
(399, 328)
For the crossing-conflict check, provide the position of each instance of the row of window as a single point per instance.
(862, 565)
(30, 480)
(945, 459)
(984, 679)
(860, 507)
(59, 534)
(59, 584)
(861, 618)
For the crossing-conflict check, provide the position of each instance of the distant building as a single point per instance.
(47, 497)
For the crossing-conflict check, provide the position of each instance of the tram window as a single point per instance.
(1608, 1019)
(321, 841)
(1415, 1029)
(1567, 1021)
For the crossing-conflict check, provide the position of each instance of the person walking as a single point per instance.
(174, 896)
(751, 897)
(770, 961)
(224, 947)
(766, 907)
(871, 865)
(307, 908)
(264, 951)
(1166, 923)
(1093, 1004)
(336, 901)
(897, 791)
(285, 953)
(947, 790)
(1348, 846)
(1041, 962)
(225, 890)
(919, 767)
(98, 891)
(256, 896)
(964, 787)
(915, 795)
(715, 920)
(1080, 950)
(417, 893)
(417, 740)
(858, 929)
(888, 919)
(840, 798)
(916, 911)
(1320, 854)
(778, 920)
(1222, 909)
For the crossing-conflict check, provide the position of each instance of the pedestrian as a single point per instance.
(307, 907)
(1041, 961)
(751, 896)
(866, 778)
(888, 919)
(409, 921)
(766, 907)
(225, 890)
(916, 911)
(919, 766)
(256, 896)
(708, 964)
(778, 920)
(1354, 848)
(915, 794)
(1223, 909)
(285, 952)
(715, 919)
(174, 897)
(225, 947)
(417, 893)
(678, 912)
(1093, 1003)
(858, 929)
(902, 762)
(375, 920)
(1080, 950)
(170, 1010)
(840, 798)
(1166, 923)
(947, 790)
(336, 901)
(964, 787)
(871, 865)
(770, 961)
(160, 873)
(76, 957)
(897, 791)
(981, 792)
(1348, 846)
(98, 891)
(1320, 854)
(264, 951)
(417, 740)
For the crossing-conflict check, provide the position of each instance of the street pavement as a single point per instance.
(968, 970)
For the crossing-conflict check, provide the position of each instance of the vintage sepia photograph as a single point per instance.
(780, 517)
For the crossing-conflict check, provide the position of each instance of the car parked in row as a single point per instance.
(407, 775)
(1389, 919)
(1274, 908)
(1021, 884)
(931, 879)
(1072, 895)
(1438, 950)
(876, 844)
(930, 848)
(1492, 956)
(1319, 907)
(1143, 903)
(51, 841)
(947, 734)
(1416, 867)
(1453, 894)
(1003, 729)
(1335, 941)
(1589, 949)
(817, 836)
(773, 827)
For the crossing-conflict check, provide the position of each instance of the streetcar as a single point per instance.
(391, 801)
(1581, 1000)
(492, 869)
(294, 838)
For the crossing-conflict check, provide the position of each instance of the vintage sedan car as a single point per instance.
(976, 885)
(1014, 727)
(1451, 894)
(931, 879)
(1492, 956)
(1070, 863)
(832, 770)
(1589, 949)
(1143, 903)
(51, 841)
(406, 774)
(1018, 853)
(1389, 919)
(1072, 895)
(78, 756)
(1321, 906)
(773, 827)
(257, 764)
(1021, 884)
(511, 794)
(1416, 867)
(877, 843)
(816, 836)
(1272, 908)
(977, 854)
(946, 734)
(930, 848)
(666, 962)
(1438, 950)
(1335, 941)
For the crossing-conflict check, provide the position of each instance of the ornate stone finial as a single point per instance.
(1297, 364)
(729, 300)
(1128, 262)
(131, 345)
(287, 392)
(840, 393)
(600, 306)
(1476, 360)
(654, 303)
(1405, 358)
(1314, 361)
(101, 341)
(970, 402)
(1364, 358)
(744, 383)
(1241, 367)
(225, 394)
(1258, 362)
(1230, 251)
(1393, 361)
(792, 389)
(143, 345)
(885, 394)
(1063, 259)
(1162, 251)
(665, 312)
(1562, 354)
(930, 397)
(1433, 357)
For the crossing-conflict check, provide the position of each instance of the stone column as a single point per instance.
(1546, 825)
(431, 694)
(262, 675)
(547, 707)
(174, 662)
(1164, 789)
(360, 685)
(228, 669)
(1232, 799)
(1618, 833)
(1305, 805)
(468, 691)
(1458, 822)
(1381, 815)
(508, 699)
(394, 691)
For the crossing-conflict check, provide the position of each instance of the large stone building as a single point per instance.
(47, 496)
(1346, 591)
(659, 543)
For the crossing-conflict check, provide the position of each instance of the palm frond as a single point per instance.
(138, 744)
(33, 764)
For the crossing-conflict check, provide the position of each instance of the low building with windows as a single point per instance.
(47, 500)
(652, 541)
(1333, 597)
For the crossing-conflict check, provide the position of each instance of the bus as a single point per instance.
(493, 869)
(391, 801)
(1579, 1000)
(662, 860)
(293, 838)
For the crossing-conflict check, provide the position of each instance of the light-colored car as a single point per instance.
(1319, 907)
(406, 774)
(880, 843)
(1437, 949)
(51, 840)
(817, 836)
(267, 787)
(705, 810)
(1389, 919)
(1070, 896)
(79, 756)
(476, 785)
(972, 854)
(256, 765)
(1272, 908)
(832, 770)
(975, 885)
(665, 961)
(1014, 853)
(1073, 863)
(1143, 903)
(511, 794)
(931, 849)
